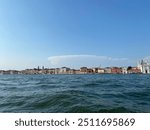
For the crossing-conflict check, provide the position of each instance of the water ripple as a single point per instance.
(75, 93)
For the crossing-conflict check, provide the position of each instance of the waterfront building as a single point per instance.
(64, 70)
(1, 71)
(101, 70)
(57, 71)
(134, 70)
(43, 71)
(124, 70)
(90, 71)
(6, 72)
(72, 71)
(144, 66)
(95, 70)
(107, 70)
(14, 72)
(50, 71)
(116, 70)
(77, 72)
(83, 70)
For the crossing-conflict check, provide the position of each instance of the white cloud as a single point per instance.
(76, 61)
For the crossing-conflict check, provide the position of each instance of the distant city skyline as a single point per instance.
(73, 33)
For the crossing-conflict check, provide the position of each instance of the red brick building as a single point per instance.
(134, 70)
(116, 70)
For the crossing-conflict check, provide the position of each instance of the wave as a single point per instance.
(75, 93)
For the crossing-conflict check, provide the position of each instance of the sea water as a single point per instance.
(97, 93)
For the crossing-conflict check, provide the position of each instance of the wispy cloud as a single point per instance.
(76, 61)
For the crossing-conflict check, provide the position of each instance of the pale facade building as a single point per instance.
(124, 70)
(144, 66)
(64, 70)
(100, 70)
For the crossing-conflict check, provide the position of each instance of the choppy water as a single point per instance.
(75, 93)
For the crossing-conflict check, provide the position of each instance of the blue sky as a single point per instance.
(90, 32)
